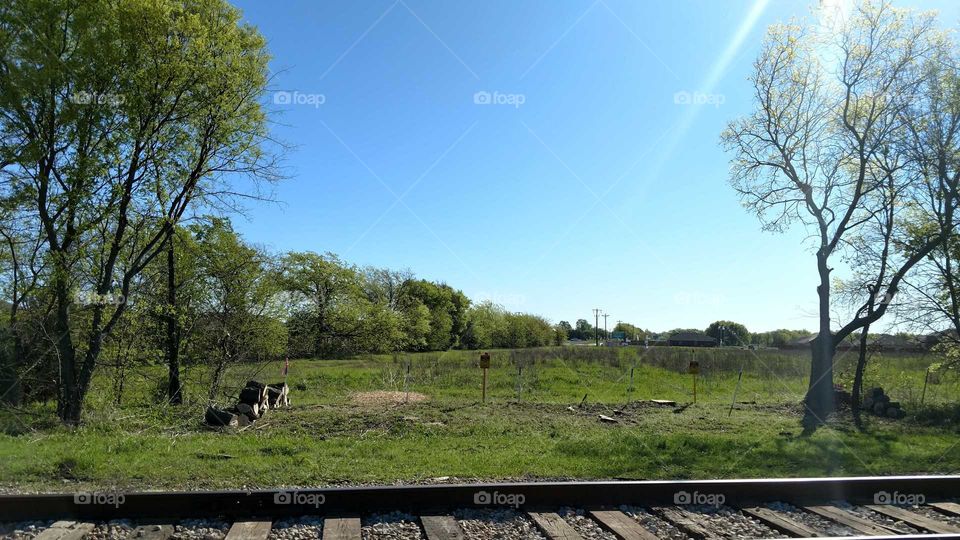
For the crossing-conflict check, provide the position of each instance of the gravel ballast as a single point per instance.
(22, 530)
(302, 528)
(730, 523)
(500, 524)
(584, 524)
(392, 526)
(119, 529)
(654, 523)
(811, 520)
(875, 517)
(935, 514)
(201, 529)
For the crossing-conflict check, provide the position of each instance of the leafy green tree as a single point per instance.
(632, 332)
(240, 308)
(415, 320)
(116, 118)
(583, 330)
(484, 321)
(447, 308)
(729, 333)
(384, 286)
(322, 290)
(778, 338)
(561, 332)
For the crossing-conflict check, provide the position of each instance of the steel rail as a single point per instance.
(269, 503)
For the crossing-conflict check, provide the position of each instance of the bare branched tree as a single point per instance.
(850, 140)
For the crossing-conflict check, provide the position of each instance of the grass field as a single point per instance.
(329, 437)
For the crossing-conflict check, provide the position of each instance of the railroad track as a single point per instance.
(868, 507)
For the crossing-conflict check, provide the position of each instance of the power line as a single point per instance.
(596, 326)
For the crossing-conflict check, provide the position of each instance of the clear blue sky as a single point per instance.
(598, 190)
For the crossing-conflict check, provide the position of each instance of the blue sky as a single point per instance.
(533, 153)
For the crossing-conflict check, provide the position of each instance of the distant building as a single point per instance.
(883, 342)
(691, 339)
(892, 343)
(800, 343)
(943, 337)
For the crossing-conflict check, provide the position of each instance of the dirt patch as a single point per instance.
(386, 398)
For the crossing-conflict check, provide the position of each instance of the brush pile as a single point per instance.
(256, 398)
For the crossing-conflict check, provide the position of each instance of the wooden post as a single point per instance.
(484, 365)
(406, 383)
(484, 385)
(735, 390)
(630, 389)
(694, 387)
(519, 381)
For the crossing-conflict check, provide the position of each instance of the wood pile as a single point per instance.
(878, 403)
(255, 399)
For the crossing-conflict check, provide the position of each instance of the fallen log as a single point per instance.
(250, 395)
(261, 386)
(250, 411)
(278, 395)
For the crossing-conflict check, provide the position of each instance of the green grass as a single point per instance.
(326, 439)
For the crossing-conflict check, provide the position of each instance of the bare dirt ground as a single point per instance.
(386, 398)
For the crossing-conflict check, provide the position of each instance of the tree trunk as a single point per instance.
(819, 400)
(857, 392)
(174, 387)
(318, 348)
(11, 390)
(119, 379)
(69, 399)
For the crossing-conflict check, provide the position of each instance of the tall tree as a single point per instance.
(841, 114)
(118, 117)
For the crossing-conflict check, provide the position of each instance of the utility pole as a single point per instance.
(605, 334)
(596, 326)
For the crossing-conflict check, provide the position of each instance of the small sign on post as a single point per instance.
(484, 365)
(694, 369)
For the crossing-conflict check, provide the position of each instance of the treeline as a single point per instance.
(217, 300)
(339, 309)
(729, 332)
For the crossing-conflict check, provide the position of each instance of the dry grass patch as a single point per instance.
(382, 397)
